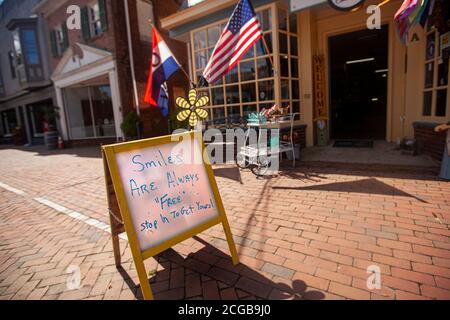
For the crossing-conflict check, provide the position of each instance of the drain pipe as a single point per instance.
(133, 74)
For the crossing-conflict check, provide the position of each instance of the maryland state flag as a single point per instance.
(163, 66)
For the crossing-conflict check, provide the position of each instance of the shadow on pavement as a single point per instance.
(368, 186)
(212, 264)
(229, 172)
(82, 152)
(373, 170)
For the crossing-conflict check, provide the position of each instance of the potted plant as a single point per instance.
(51, 114)
(130, 125)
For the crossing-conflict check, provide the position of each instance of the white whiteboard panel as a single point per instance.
(167, 190)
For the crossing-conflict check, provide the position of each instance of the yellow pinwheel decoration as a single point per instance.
(192, 107)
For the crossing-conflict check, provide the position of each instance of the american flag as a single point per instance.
(240, 33)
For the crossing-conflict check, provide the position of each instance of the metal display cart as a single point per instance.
(258, 156)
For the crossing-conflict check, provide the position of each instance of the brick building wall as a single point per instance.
(114, 40)
(104, 41)
(154, 123)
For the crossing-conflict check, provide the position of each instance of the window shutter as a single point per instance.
(103, 16)
(53, 43)
(65, 35)
(85, 29)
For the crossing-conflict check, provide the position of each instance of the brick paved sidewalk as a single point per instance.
(37, 246)
(299, 236)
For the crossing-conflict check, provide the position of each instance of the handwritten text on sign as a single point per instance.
(167, 189)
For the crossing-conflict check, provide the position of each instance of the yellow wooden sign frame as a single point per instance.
(109, 152)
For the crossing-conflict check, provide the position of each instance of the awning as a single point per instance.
(201, 14)
(296, 5)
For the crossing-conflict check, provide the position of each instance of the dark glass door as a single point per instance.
(358, 84)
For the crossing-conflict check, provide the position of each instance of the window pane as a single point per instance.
(213, 36)
(248, 92)
(441, 102)
(284, 66)
(268, 37)
(283, 43)
(12, 66)
(232, 75)
(427, 99)
(200, 59)
(79, 112)
(295, 89)
(9, 120)
(266, 91)
(294, 47)
(260, 47)
(264, 68)
(217, 96)
(103, 111)
(293, 23)
(294, 67)
(234, 112)
(295, 107)
(30, 46)
(429, 68)
(430, 46)
(200, 40)
(37, 117)
(17, 47)
(247, 109)
(265, 19)
(282, 19)
(209, 118)
(247, 70)
(284, 89)
(443, 73)
(218, 113)
(232, 94)
(94, 20)
(199, 75)
(265, 106)
(249, 54)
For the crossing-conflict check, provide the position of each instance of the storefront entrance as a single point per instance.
(87, 91)
(358, 84)
(90, 111)
(36, 113)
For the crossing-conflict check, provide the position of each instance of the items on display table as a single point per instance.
(275, 112)
(256, 118)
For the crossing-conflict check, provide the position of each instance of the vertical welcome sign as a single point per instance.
(166, 192)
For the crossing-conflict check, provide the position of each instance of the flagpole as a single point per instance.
(187, 76)
(266, 47)
(130, 51)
